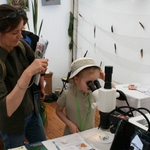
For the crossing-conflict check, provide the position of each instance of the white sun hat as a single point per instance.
(80, 64)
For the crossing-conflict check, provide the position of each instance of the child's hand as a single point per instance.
(73, 128)
(102, 75)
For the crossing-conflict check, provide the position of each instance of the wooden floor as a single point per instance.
(55, 126)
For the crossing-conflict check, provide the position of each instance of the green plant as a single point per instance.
(43, 112)
(70, 32)
(35, 18)
(25, 4)
(22, 4)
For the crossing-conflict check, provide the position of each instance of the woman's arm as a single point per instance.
(42, 88)
(15, 97)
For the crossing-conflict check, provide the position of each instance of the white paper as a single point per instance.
(40, 53)
(99, 144)
(18, 148)
(70, 142)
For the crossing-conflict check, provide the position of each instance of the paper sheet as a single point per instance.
(70, 142)
(18, 148)
(40, 53)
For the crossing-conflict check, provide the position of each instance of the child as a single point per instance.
(79, 115)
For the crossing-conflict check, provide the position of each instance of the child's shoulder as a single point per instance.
(68, 92)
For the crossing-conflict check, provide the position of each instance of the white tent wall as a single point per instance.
(116, 32)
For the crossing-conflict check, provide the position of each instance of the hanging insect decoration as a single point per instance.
(115, 47)
(80, 15)
(142, 25)
(94, 31)
(141, 53)
(85, 53)
(95, 46)
(112, 30)
(100, 64)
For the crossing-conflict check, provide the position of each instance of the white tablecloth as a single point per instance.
(136, 98)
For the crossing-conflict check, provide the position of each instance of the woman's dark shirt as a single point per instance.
(16, 62)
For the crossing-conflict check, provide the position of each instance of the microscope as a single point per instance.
(106, 104)
(105, 98)
(110, 116)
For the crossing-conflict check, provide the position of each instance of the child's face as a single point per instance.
(81, 81)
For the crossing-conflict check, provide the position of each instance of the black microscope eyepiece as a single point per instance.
(97, 84)
(91, 86)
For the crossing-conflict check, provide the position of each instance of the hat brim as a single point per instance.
(80, 69)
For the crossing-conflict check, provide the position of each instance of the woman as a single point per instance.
(19, 117)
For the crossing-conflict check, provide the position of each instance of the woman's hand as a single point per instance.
(42, 94)
(102, 75)
(38, 66)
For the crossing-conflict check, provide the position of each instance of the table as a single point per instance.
(48, 79)
(136, 98)
(140, 121)
(89, 137)
(87, 140)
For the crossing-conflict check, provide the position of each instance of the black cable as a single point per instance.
(122, 97)
(133, 109)
(140, 108)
